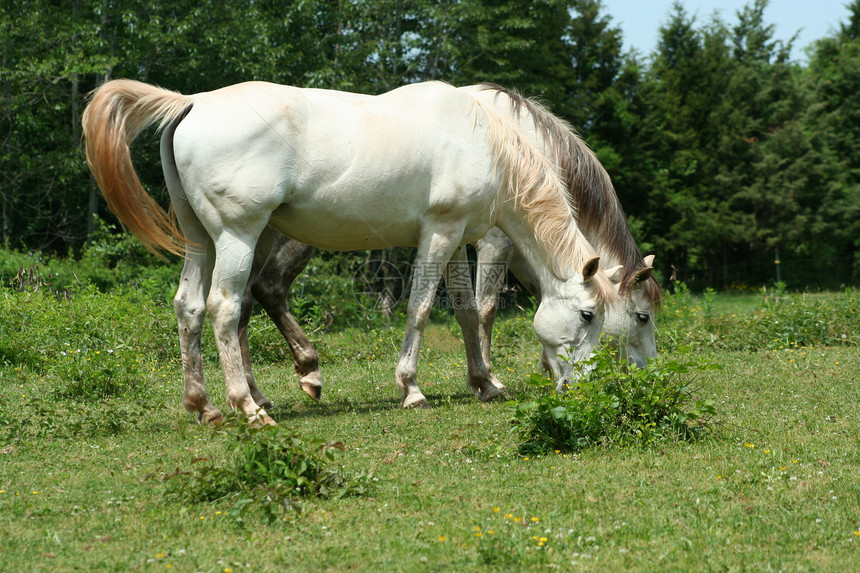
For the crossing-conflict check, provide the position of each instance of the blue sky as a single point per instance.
(640, 20)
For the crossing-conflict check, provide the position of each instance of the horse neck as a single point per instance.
(589, 188)
(514, 224)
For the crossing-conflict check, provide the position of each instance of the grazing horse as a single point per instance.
(591, 195)
(425, 165)
(592, 198)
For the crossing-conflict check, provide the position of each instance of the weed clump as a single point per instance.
(614, 405)
(267, 471)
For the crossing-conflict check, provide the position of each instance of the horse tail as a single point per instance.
(536, 187)
(118, 111)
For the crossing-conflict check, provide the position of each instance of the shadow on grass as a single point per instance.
(340, 405)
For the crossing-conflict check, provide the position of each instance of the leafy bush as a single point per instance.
(266, 469)
(614, 405)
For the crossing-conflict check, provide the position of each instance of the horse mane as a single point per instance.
(590, 193)
(534, 185)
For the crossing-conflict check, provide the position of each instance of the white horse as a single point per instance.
(629, 319)
(425, 165)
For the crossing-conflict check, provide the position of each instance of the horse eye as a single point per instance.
(643, 317)
(586, 315)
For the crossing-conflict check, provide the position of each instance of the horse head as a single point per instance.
(568, 323)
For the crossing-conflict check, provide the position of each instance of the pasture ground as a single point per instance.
(777, 488)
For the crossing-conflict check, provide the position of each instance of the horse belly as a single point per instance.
(333, 226)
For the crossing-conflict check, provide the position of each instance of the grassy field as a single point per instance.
(91, 423)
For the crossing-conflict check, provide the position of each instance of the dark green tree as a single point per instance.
(830, 204)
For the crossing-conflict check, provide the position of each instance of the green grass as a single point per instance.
(82, 466)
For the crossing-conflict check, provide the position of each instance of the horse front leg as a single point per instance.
(494, 255)
(433, 254)
(458, 281)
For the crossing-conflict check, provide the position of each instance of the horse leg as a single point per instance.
(190, 307)
(233, 263)
(434, 251)
(286, 260)
(244, 318)
(494, 254)
(261, 254)
(458, 281)
(189, 303)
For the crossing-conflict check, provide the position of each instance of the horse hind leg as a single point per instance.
(233, 263)
(190, 307)
(247, 307)
(189, 303)
(286, 260)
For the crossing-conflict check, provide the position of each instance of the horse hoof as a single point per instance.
(415, 402)
(312, 390)
(211, 417)
(261, 419)
(495, 382)
(491, 393)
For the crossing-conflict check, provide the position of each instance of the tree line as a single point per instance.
(726, 154)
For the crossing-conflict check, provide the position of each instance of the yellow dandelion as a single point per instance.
(202, 517)
(518, 519)
(479, 534)
(442, 538)
(535, 520)
(159, 555)
(749, 445)
(477, 528)
(509, 515)
(767, 451)
(495, 510)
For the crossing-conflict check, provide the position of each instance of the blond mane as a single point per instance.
(590, 194)
(534, 185)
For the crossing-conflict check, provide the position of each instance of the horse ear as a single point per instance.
(643, 275)
(614, 274)
(590, 269)
(649, 261)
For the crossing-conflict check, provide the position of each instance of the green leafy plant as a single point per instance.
(615, 405)
(268, 470)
